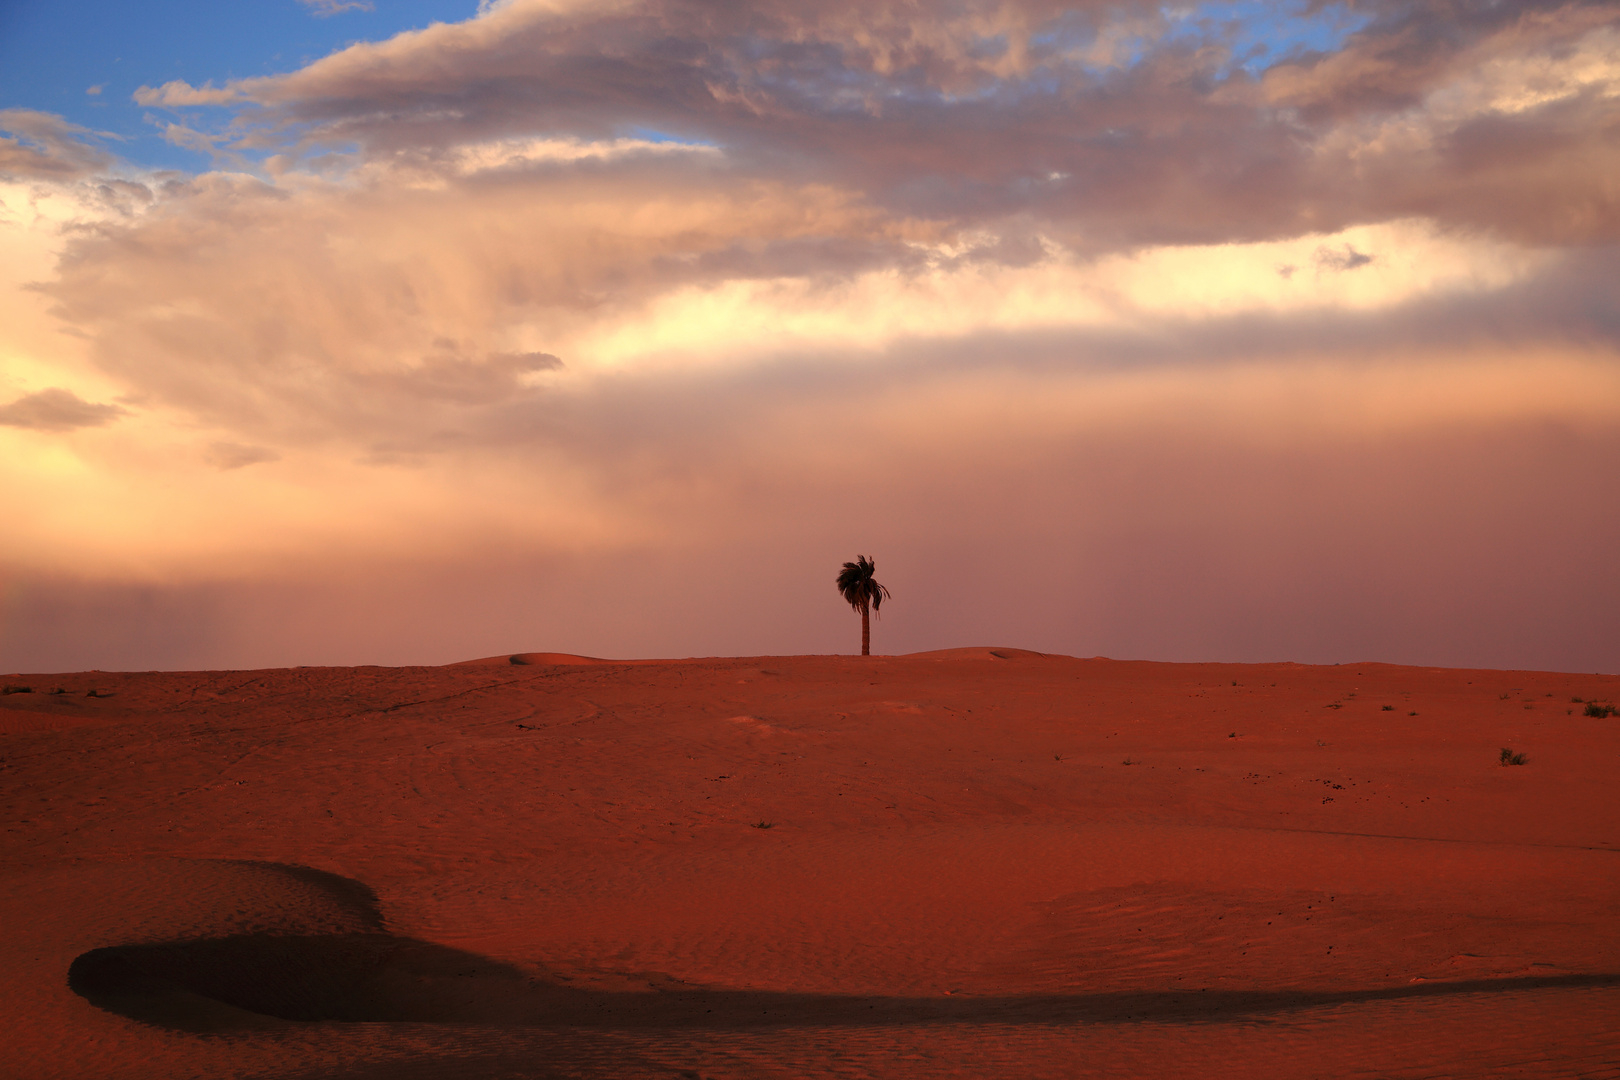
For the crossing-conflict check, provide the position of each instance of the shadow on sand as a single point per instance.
(254, 981)
(259, 981)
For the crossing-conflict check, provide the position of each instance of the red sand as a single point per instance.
(559, 868)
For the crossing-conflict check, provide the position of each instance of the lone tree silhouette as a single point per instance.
(855, 584)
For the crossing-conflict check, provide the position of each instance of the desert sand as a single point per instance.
(981, 863)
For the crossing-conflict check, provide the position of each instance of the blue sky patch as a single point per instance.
(84, 59)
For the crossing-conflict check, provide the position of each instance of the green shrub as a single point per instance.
(1508, 757)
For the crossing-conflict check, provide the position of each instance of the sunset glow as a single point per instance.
(1138, 330)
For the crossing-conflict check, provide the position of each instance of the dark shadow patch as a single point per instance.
(255, 981)
(219, 984)
(264, 981)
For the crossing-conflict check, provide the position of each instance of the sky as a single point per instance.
(411, 332)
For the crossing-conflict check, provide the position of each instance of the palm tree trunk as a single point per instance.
(866, 630)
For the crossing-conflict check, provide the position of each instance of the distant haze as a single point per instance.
(1126, 330)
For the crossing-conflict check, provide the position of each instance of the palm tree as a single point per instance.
(855, 584)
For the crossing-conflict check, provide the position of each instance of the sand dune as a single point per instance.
(974, 862)
(1000, 652)
(538, 658)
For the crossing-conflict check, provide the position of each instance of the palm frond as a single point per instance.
(856, 586)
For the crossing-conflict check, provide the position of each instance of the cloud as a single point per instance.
(229, 455)
(215, 146)
(177, 93)
(57, 410)
(1109, 124)
(1243, 361)
(418, 307)
(386, 309)
(41, 146)
(1346, 259)
(327, 8)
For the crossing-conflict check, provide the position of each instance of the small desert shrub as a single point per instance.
(1599, 711)
(1508, 757)
(19, 690)
(1389, 708)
